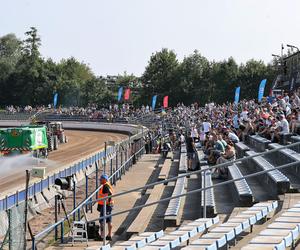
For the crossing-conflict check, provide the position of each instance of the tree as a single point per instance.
(72, 78)
(224, 79)
(10, 53)
(194, 75)
(160, 76)
(251, 74)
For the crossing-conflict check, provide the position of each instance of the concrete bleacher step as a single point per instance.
(243, 192)
(226, 233)
(275, 179)
(165, 170)
(142, 220)
(280, 234)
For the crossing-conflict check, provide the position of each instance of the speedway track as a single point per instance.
(80, 144)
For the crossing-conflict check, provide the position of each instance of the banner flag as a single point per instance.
(120, 92)
(261, 89)
(237, 95)
(127, 94)
(154, 101)
(55, 100)
(166, 101)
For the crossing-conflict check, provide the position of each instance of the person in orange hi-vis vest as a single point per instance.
(105, 190)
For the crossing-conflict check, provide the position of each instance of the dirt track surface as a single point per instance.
(80, 144)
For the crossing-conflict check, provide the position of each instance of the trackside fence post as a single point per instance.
(86, 190)
(111, 172)
(104, 223)
(204, 194)
(117, 166)
(56, 216)
(62, 232)
(74, 199)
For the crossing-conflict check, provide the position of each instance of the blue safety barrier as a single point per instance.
(12, 200)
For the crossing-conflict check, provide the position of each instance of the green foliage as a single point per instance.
(27, 78)
(196, 79)
(160, 75)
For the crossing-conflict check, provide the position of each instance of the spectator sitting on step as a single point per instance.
(228, 155)
(219, 148)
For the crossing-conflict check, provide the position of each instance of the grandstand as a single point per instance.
(255, 206)
(263, 214)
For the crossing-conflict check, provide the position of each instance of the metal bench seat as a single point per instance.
(140, 240)
(286, 151)
(209, 193)
(258, 142)
(241, 149)
(295, 138)
(183, 163)
(174, 204)
(278, 179)
(183, 148)
(244, 193)
(182, 234)
(280, 234)
(228, 231)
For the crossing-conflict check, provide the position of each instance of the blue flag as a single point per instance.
(237, 95)
(55, 100)
(261, 89)
(120, 93)
(154, 101)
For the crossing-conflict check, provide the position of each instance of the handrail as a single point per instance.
(83, 203)
(87, 200)
(199, 171)
(198, 190)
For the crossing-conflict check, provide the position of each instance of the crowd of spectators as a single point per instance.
(27, 109)
(218, 127)
(91, 112)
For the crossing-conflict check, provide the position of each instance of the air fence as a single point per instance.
(89, 200)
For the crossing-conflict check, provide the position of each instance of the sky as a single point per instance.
(114, 36)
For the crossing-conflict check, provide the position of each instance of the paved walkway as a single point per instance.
(142, 173)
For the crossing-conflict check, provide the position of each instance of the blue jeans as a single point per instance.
(108, 212)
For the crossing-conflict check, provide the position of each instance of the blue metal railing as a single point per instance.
(116, 174)
(13, 199)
